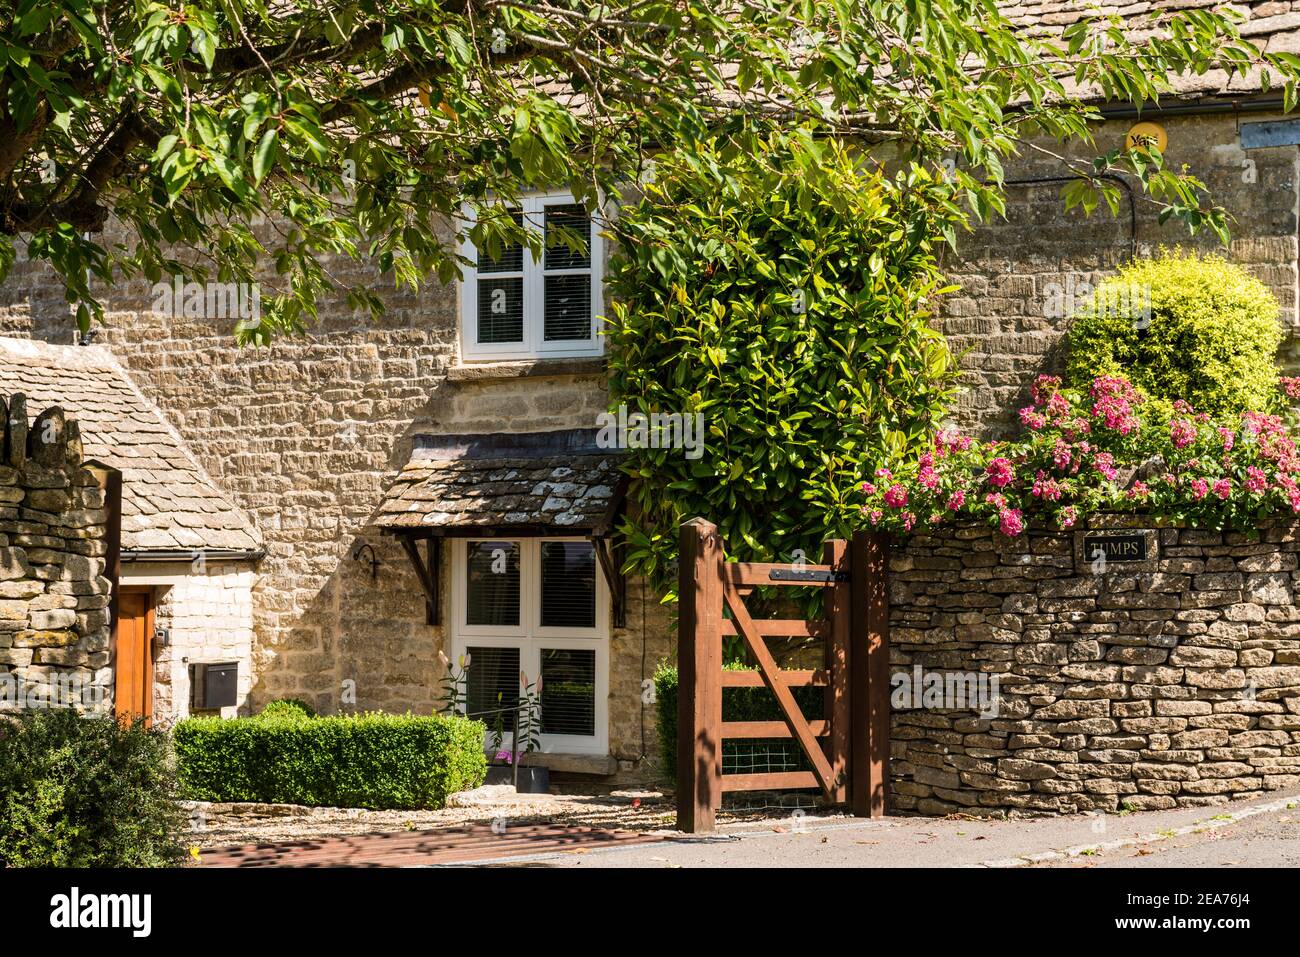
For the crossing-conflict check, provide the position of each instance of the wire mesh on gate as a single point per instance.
(763, 756)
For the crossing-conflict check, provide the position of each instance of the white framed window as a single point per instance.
(520, 306)
(538, 606)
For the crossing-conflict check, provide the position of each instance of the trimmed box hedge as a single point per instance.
(738, 704)
(373, 760)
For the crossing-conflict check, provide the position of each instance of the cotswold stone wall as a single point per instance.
(54, 631)
(1172, 681)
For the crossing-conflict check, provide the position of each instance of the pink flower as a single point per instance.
(1138, 490)
(1031, 418)
(909, 520)
(1000, 472)
(1104, 463)
(999, 501)
(1223, 488)
(1182, 432)
(1113, 401)
(1256, 480)
(884, 474)
(896, 496)
(926, 460)
(1069, 515)
(1061, 455)
(1229, 438)
(1044, 388)
(1010, 522)
(868, 488)
(956, 500)
(876, 516)
(1200, 489)
(928, 477)
(1046, 488)
(1058, 407)
(1290, 385)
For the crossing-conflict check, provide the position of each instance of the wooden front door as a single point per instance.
(133, 661)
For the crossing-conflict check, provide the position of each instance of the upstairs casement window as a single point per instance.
(517, 305)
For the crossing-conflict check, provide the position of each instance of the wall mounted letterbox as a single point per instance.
(213, 685)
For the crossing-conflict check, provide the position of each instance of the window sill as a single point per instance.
(518, 369)
(600, 764)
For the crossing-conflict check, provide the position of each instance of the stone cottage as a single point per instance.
(186, 553)
(429, 485)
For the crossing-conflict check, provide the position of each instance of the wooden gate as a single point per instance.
(848, 749)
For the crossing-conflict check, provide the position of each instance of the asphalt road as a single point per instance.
(1264, 832)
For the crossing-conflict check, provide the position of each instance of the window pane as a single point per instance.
(568, 585)
(568, 308)
(492, 584)
(500, 310)
(491, 684)
(565, 223)
(568, 691)
(511, 258)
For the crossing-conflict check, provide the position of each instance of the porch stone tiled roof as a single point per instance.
(535, 480)
(169, 503)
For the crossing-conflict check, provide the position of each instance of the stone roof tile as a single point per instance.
(168, 500)
(541, 479)
(1269, 24)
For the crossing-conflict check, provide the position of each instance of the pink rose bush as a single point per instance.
(1105, 450)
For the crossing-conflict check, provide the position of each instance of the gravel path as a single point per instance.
(225, 825)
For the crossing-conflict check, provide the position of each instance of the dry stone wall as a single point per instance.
(54, 628)
(1172, 680)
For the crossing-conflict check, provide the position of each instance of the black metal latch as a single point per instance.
(806, 575)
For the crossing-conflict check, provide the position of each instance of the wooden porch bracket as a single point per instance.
(607, 555)
(427, 570)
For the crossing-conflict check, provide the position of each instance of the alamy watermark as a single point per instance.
(208, 300)
(1076, 295)
(652, 430)
(945, 690)
(60, 691)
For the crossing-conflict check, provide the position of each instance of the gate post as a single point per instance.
(838, 711)
(869, 671)
(699, 676)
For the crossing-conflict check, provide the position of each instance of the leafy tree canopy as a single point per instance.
(358, 128)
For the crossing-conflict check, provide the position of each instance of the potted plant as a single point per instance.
(528, 779)
(505, 766)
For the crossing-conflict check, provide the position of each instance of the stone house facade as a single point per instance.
(310, 437)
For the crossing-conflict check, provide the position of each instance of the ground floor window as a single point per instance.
(536, 608)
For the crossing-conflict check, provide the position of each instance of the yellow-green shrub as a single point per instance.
(1182, 326)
